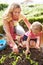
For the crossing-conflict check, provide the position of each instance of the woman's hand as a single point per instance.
(15, 49)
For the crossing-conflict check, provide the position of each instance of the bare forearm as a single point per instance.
(38, 41)
(7, 31)
(10, 37)
(27, 45)
(27, 23)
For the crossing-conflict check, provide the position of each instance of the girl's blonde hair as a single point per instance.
(8, 13)
(36, 24)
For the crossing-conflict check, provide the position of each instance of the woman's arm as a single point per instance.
(27, 46)
(28, 24)
(7, 31)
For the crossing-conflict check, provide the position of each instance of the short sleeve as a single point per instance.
(28, 33)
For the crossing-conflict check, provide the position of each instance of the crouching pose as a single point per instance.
(31, 39)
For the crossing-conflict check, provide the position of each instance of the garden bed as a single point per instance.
(7, 57)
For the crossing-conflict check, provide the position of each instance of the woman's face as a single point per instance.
(16, 13)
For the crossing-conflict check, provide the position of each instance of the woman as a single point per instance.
(11, 24)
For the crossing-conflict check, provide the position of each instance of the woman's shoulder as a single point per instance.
(22, 16)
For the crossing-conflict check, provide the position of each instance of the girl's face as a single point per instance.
(16, 13)
(35, 30)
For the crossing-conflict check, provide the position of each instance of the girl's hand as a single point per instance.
(37, 46)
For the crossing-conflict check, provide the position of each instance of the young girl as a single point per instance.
(31, 39)
(11, 25)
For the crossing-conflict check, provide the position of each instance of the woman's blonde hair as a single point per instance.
(8, 13)
(36, 24)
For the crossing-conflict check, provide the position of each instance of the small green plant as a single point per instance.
(31, 61)
(15, 62)
(2, 59)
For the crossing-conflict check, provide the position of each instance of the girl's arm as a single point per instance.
(38, 42)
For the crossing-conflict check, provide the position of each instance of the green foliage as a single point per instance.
(3, 6)
(2, 59)
(12, 55)
(1, 29)
(15, 62)
(38, 18)
(33, 12)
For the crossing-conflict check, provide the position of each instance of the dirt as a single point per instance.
(8, 61)
(6, 51)
(23, 62)
(36, 55)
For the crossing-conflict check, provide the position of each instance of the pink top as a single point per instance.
(12, 31)
(32, 35)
